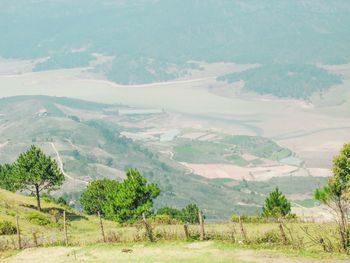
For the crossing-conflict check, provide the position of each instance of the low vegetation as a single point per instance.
(7, 228)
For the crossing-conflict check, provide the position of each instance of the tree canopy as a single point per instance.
(189, 214)
(336, 194)
(8, 178)
(37, 172)
(95, 197)
(276, 205)
(123, 202)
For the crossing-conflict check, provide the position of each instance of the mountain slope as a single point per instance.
(151, 41)
(93, 147)
(91, 141)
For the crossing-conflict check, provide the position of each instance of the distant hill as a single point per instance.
(87, 139)
(150, 41)
(285, 80)
(91, 141)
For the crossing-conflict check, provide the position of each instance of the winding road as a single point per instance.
(60, 163)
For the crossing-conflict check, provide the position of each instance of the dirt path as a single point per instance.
(194, 252)
(60, 164)
(46, 255)
(266, 257)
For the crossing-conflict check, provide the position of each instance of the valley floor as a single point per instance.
(164, 252)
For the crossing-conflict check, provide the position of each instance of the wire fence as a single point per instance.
(67, 234)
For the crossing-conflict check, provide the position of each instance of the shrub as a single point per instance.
(248, 219)
(190, 214)
(260, 219)
(38, 219)
(56, 214)
(7, 228)
(291, 217)
(270, 237)
(164, 220)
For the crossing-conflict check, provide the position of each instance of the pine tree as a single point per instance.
(276, 205)
(37, 172)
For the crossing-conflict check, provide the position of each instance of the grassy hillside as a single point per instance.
(129, 243)
(47, 224)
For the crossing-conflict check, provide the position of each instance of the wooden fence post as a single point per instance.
(201, 222)
(283, 234)
(65, 228)
(18, 233)
(35, 239)
(101, 225)
(187, 234)
(148, 228)
(233, 233)
(243, 233)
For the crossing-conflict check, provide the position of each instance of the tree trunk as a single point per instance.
(37, 192)
(343, 227)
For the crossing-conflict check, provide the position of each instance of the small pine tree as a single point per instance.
(37, 172)
(134, 197)
(276, 205)
(95, 198)
(124, 202)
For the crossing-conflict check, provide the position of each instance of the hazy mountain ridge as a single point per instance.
(263, 32)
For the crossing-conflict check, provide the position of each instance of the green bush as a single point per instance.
(7, 228)
(38, 219)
